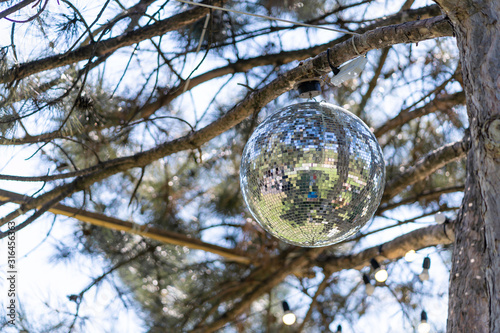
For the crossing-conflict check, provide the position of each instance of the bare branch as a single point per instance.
(441, 103)
(392, 250)
(105, 46)
(426, 166)
(374, 80)
(422, 196)
(163, 236)
(318, 292)
(15, 8)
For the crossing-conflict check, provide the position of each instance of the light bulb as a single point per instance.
(440, 218)
(381, 275)
(424, 326)
(410, 255)
(424, 276)
(369, 287)
(289, 318)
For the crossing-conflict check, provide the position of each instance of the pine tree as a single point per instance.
(140, 111)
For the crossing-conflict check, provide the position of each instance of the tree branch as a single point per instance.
(244, 65)
(318, 292)
(422, 196)
(441, 103)
(103, 47)
(392, 250)
(278, 275)
(373, 81)
(425, 166)
(161, 235)
(15, 8)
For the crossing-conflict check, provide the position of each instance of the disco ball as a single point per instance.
(312, 174)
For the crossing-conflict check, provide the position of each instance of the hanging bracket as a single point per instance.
(309, 89)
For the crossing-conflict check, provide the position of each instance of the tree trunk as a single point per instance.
(474, 301)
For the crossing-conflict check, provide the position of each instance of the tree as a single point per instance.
(107, 100)
(474, 301)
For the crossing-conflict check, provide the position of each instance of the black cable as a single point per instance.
(335, 70)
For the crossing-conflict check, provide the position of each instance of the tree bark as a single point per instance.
(474, 294)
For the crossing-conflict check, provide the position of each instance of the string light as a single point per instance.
(289, 317)
(424, 326)
(424, 276)
(369, 287)
(410, 255)
(381, 274)
(440, 218)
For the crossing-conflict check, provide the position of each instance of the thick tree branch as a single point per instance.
(422, 196)
(426, 166)
(440, 103)
(410, 32)
(392, 250)
(147, 231)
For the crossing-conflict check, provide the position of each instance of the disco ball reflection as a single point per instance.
(312, 174)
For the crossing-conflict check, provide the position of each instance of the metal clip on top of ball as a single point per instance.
(308, 89)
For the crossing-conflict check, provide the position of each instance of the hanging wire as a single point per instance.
(268, 17)
(202, 37)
